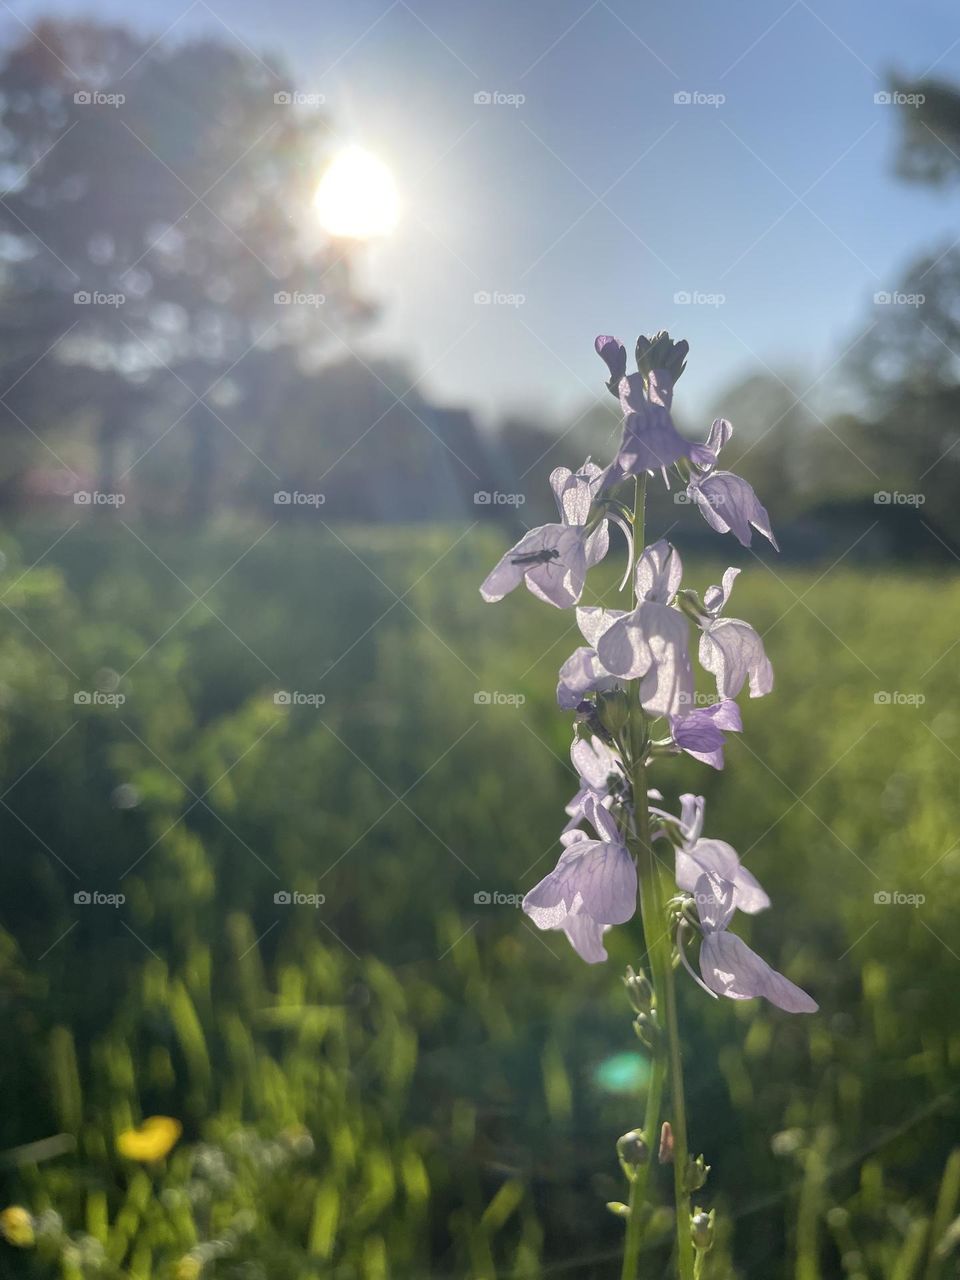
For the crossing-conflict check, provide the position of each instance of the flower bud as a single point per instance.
(689, 602)
(633, 1150)
(613, 711)
(647, 1029)
(665, 1154)
(697, 1171)
(614, 355)
(701, 1229)
(639, 991)
(661, 352)
(617, 1209)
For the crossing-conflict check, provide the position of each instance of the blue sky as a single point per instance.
(600, 198)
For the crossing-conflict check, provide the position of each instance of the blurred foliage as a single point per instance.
(407, 1080)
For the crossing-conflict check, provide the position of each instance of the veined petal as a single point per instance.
(667, 686)
(594, 621)
(691, 816)
(582, 673)
(732, 651)
(593, 876)
(575, 491)
(595, 762)
(659, 573)
(559, 581)
(716, 902)
(597, 544)
(720, 432)
(733, 507)
(586, 937)
(716, 856)
(715, 598)
(731, 969)
(613, 354)
(623, 647)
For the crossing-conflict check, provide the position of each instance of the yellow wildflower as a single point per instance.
(152, 1141)
(16, 1226)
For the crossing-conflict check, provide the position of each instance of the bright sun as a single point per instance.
(357, 196)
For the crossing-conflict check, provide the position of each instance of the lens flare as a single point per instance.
(357, 196)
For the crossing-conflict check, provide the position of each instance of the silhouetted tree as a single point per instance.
(171, 178)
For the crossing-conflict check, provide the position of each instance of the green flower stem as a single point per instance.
(651, 1122)
(659, 946)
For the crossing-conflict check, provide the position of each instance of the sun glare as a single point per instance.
(357, 196)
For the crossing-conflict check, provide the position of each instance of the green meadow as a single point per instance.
(406, 1079)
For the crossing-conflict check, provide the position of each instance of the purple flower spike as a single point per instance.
(613, 354)
(593, 886)
(728, 966)
(700, 732)
(730, 648)
(726, 501)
